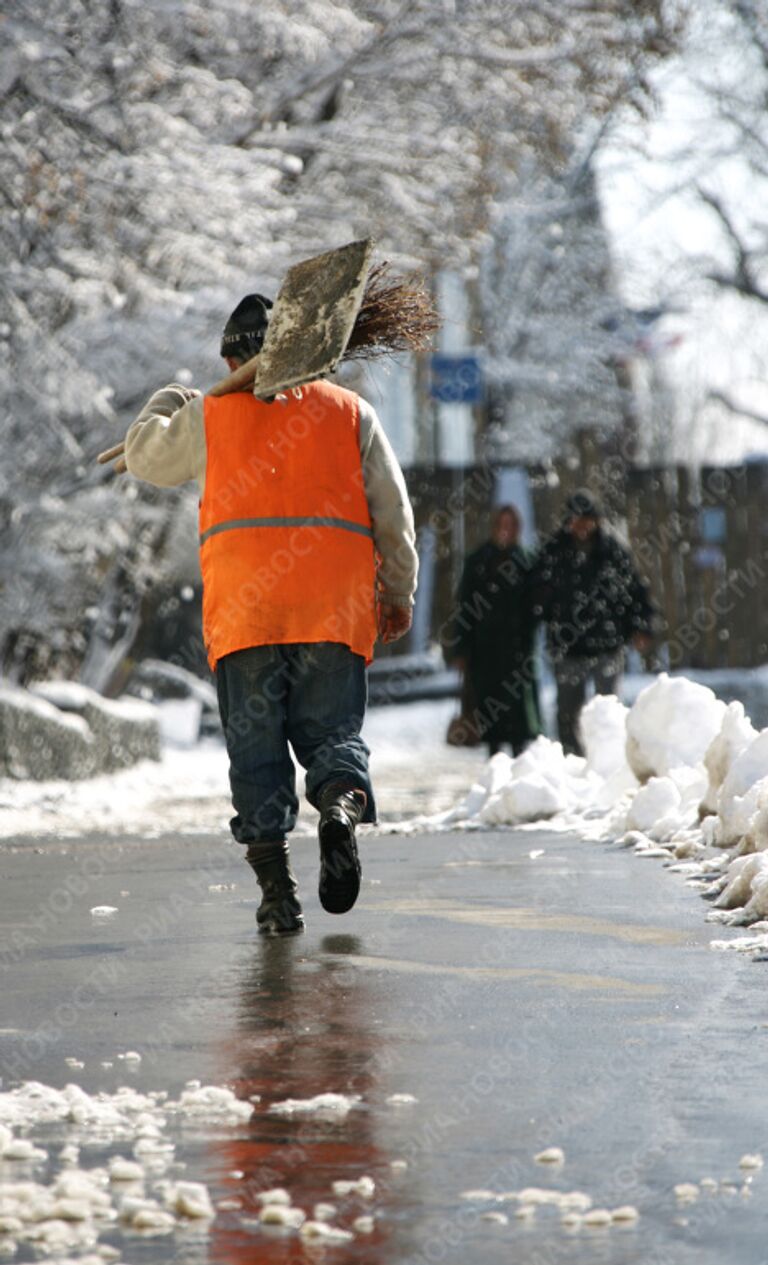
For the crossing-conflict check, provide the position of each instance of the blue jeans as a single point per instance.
(311, 694)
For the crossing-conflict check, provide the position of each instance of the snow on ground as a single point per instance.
(187, 792)
(679, 775)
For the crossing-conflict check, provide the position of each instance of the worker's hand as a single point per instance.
(642, 642)
(394, 621)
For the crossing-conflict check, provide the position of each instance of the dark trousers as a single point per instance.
(573, 676)
(311, 695)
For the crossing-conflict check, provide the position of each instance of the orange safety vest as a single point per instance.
(286, 545)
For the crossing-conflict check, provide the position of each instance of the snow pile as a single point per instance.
(185, 791)
(678, 775)
(671, 726)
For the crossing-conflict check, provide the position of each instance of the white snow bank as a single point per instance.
(678, 775)
(744, 785)
(184, 791)
(536, 785)
(736, 733)
(670, 725)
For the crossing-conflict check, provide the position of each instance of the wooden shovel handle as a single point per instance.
(239, 380)
(110, 453)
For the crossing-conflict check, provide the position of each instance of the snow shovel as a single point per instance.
(307, 336)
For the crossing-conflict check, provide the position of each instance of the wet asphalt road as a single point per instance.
(565, 999)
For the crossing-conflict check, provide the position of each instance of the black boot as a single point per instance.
(341, 808)
(279, 913)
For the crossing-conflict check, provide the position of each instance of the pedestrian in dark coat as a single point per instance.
(594, 603)
(492, 637)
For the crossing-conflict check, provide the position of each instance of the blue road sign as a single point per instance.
(456, 379)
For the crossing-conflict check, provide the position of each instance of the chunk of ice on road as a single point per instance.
(276, 1196)
(334, 1105)
(22, 1149)
(497, 1218)
(399, 1100)
(686, 1192)
(321, 1232)
(751, 1161)
(536, 1195)
(71, 1209)
(551, 1155)
(281, 1214)
(154, 1219)
(577, 1200)
(213, 1101)
(324, 1212)
(597, 1217)
(188, 1199)
(363, 1186)
(104, 911)
(122, 1170)
(627, 1213)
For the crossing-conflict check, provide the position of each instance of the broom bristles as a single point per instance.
(397, 314)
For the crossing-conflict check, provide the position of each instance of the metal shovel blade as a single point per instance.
(313, 318)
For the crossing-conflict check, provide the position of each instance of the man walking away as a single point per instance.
(307, 554)
(594, 602)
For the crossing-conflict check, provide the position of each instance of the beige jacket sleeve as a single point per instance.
(390, 508)
(166, 443)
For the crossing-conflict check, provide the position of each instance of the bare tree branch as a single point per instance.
(743, 279)
(721, 398)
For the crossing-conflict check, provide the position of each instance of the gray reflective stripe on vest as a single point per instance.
(344, 524)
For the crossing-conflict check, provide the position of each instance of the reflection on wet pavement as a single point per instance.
(305, 1027)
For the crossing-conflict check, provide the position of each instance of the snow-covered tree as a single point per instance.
(684, 201)
(159, 159)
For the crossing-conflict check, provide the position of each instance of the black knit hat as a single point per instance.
(583, 505)
(244, 332)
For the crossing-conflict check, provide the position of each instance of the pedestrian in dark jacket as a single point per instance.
(594, 603)
(493, 635)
